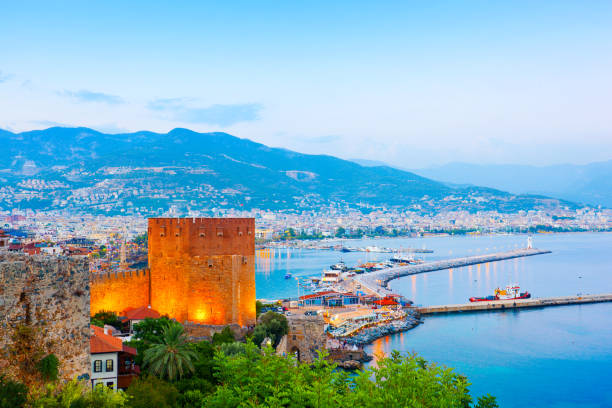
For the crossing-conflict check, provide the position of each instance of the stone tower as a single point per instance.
(203, 269)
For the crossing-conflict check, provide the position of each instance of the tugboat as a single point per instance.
(288, 275)
(512, 292)
(340, 266)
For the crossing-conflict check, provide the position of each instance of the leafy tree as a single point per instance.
(340, 232)
(150, 330)
(487, 401)
(141, 239)
(225, 336)
(147, 333)
(171, 358)
(149, 391)
(48, 367)
(96, 322)
(13, 394)
(261, 379)
(272, 325)
(107, 317)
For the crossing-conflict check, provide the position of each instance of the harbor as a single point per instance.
(377, 281)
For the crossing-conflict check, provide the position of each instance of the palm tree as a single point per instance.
(171, 357)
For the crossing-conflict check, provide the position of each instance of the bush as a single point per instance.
(13, 394)
(48, 367)
(151, 392)
(109, 318)
(76, 394)
(272, 325)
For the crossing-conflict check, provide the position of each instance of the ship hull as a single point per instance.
(525, 295)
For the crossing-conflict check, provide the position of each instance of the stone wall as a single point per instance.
(305, 338)
(46, 299)
(118, 291)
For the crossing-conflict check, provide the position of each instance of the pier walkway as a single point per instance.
(377, 281)
(515, 304)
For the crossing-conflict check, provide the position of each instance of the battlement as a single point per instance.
(201, 270)
(117, 291)
(116, 275)
(171, 237)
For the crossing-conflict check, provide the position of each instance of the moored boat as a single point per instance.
(511, 292)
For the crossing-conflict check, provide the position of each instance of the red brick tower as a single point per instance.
(203, 269)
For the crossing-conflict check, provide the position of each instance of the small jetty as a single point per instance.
(377, 281)
(515, 304)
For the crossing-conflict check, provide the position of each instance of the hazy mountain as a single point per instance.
(589, 184)
(85, 169)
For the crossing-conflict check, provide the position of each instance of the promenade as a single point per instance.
(515, 304)
(376, 282)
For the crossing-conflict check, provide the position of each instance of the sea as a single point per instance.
(548, 357)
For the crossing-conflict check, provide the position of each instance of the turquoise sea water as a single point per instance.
(549, 357)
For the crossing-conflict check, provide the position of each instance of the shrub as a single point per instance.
(13, 394)
(48, 367)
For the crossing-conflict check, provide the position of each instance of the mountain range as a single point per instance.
(589, 184)
(83, 169)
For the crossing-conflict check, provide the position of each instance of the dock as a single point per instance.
(498, 305)
(377, 281)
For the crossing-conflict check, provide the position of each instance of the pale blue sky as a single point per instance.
(410, 83)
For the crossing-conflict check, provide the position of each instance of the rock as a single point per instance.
(350, 365)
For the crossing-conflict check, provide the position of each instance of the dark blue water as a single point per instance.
(550, 357)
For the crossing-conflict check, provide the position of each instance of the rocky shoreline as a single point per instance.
(368, 335)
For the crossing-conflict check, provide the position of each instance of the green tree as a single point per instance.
(141, 239)
(149, 391)
(171, 358)
(340, 232)
(13, 394)
(225, 336)
(147, 333)
(107, 317)
(258, 379)
(272, 325)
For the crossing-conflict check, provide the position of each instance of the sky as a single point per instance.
(413, 84)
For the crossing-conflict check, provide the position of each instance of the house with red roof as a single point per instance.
(112, 362)
(132, 317)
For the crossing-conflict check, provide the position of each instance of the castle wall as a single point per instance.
(50, 297)
(119, 291)
(203, 269)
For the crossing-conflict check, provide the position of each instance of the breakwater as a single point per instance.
(515, 304)
(377, 281)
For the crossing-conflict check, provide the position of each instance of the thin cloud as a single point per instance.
(89, 96)
(323, 139)
(222, 115)
(5, 77)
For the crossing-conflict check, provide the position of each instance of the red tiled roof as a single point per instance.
(141, 313)
(104, 343)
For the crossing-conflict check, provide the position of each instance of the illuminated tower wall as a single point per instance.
(203, 269)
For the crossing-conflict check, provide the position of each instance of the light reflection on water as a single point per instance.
(558, 357)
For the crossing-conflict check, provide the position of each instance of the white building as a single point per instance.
(112, 363)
